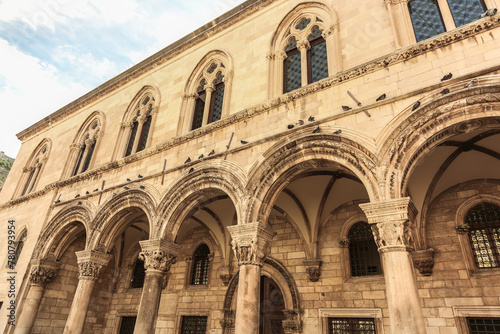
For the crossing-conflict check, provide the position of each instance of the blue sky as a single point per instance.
(53, 51)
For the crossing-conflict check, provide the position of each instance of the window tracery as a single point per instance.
(483, 221)
(86, 147)
(31, 173)
(19, 247)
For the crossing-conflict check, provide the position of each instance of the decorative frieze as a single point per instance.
(42, 271)
(90, 263)
(313, 269)
(392, 222)
(158, 255)
(251, 242)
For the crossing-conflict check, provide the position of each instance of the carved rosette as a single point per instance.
(423, 260)
(42, 271)
(251, 242)
(90, 264)
(392, 222)
(313, 269)
(158, 255)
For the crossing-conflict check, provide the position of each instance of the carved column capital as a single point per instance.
(90, 264)
(89, 141)
(251, 242)
(395, 2)
(392, 222)
(158, 255)
(313, 269)
(209, 88)
(42, 271)
(304, 44)
(423, 260)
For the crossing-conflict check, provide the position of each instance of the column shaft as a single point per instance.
(30, 309)
(248, 303)
(79, 307)
(150, 301)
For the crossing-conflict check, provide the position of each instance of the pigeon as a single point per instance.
(191, 170)
(140, 176)
(128, 180)
(445, 91)
(77, 196)
(142, 187)
(311, 119)
(300, 122)
(188, 160)
(415, 106)
(290, 126)
(447, 77)
(346, 108)
(201, 156)
(244, 142)
(126, 188)
(212, 152)
(337, 132)
(96, 189)
(381, 97)
(86, 193)
(316, 130)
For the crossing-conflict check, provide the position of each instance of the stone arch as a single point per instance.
(60, 230)
(189, 190)
(105, 224)
(471, 202)
(285, 161)
(412, 134)
(275, 270)
(34, 168)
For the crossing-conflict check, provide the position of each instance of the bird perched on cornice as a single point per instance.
(212, 152)
(244, 142)
(311, 119)
(445, 91)
(188, 160)
(316, 130)
(337, 132)
(381, 97)
(447, 77)
(416, 105)
(346, 108)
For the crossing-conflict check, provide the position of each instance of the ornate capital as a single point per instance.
(251, 242)
(158, 255)
(42, 271)
(89, 141)
(209, 88)
(90, 263)
(344, 243)
(423, 260)
(313, 269)
(395, 2)
(304, 44)
(391, 222)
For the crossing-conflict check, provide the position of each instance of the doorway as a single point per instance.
(272, 305)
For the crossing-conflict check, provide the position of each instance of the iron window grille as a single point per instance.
(483, 325)
(201, 265)
(351, 326)
(194, 325)
(484, 234)
(363, 252)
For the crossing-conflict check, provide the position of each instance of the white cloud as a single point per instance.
(32, 91)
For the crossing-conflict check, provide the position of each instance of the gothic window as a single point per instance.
(209, 96)
(138, 274)
(141, 125)
(194, 325)
(31, 172)
(363, 251)
(127, 325)
(428, 18)
(19, 248)
(483, 221)
(351, 326)
(483, 325)
(305, 40)
(85, 145)
(201, 265)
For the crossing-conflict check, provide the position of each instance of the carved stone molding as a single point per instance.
(395, 2)
(225, 275)
(42, 271)
(251, 242)
(90, 263)
(423, 260)
(391, 222)
(292, 323)
(158, 255)
(313, 269)
(229, 319)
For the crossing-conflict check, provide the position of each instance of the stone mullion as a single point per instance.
(158, 256)
(444, 8)
(138, 134)
(41, 273)
(32, 181)
(90, 265)
(209, 89)
(88, 144)
(251, 244)
(303, 47)
(391, 223)
(402, 27)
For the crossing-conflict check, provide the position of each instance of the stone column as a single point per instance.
(158, 256)
(209, 89)
(251, 244)
(41, 273)
(90, 264)
(392, 226)
(303, 46)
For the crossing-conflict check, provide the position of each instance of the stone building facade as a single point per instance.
(290, 167)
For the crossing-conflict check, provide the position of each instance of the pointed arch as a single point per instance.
(309, 30)
(33, 168)
(283, 162)
(136, 129)
(207, 94)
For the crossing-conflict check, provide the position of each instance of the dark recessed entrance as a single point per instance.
(272, 305)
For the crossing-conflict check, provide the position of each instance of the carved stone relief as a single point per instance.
(251, 242)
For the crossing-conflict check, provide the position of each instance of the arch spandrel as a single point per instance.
(414, 133)
(307, 152)
(69, 219)
(142, 197)
(192, 188)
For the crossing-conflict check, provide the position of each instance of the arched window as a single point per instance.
(32, 171)
(201, 265)
(363, 251)
(483, 221)
(85, 144)
(19, 247)
(141, 124)
(210, 96)
(138, 274)
(432, 17)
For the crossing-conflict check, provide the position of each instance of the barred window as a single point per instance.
(138, 274)
(363, 252)
(484, 234)
(127, 325)
(201, 265)
(194, 325)
(351, 326)
(317, 66)
(483, 325)
(292, 67)
(141, 125)
(466, 11)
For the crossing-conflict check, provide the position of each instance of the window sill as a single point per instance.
(366, 279)
(486, 272)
